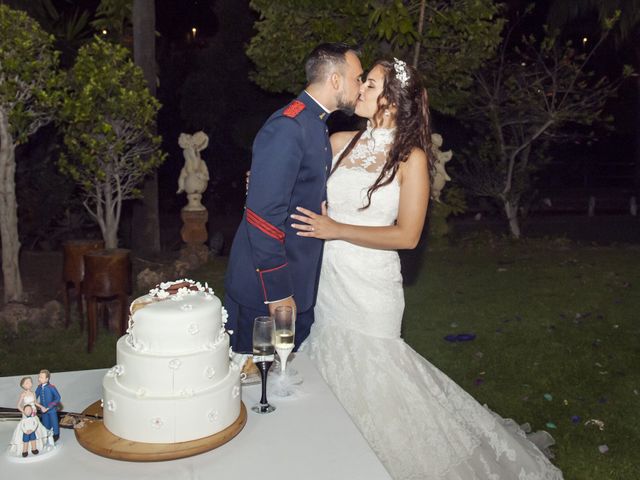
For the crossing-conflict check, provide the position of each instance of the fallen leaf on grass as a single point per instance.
(596, 422)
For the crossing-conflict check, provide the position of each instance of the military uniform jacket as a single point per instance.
(48, 396)
(289, 168)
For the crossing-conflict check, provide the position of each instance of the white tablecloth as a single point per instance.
(308, 437)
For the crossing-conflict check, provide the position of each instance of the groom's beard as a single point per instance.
(348, 107)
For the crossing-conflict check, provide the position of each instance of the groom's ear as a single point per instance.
(335, 79)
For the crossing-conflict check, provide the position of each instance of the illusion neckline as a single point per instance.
(379, 133)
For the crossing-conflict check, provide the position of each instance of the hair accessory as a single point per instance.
(400, 68)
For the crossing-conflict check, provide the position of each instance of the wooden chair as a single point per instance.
(107, 276)
(73, 272)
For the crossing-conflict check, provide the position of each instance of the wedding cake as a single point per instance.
(173, 381)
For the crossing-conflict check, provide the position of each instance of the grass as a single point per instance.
(551, 317)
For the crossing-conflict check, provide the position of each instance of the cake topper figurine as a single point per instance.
(29, 434)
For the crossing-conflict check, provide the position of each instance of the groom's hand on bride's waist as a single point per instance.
(286, 302)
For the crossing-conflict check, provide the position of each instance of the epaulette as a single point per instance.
(294, 109)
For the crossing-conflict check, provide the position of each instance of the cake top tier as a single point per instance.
(180, 316)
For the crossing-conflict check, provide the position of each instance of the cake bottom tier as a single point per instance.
(170, 419)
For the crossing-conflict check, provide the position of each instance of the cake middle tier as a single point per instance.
(154, 374)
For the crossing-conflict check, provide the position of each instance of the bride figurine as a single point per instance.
(29, 433)
(420, 423)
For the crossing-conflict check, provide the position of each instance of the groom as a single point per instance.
(270, 265)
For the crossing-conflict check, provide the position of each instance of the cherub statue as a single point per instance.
(194, 176)
(440, 176)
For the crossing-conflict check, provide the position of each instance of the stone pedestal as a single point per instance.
(194, 235)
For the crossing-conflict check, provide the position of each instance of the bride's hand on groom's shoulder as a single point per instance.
(316, 225)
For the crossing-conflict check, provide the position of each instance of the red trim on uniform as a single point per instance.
(294, 109)
(274, 268)
(264, 289)
(265, 227)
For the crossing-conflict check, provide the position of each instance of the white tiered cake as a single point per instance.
(173, 381)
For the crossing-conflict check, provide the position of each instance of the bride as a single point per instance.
(420, 423)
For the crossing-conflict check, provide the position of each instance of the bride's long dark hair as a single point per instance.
(412, 122)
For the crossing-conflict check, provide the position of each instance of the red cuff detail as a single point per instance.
(264, 226)
(264, 289)
(293, 110)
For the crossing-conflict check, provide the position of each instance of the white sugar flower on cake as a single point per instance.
(116, 371)
(157, 422)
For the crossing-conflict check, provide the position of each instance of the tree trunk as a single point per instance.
(511, 210)
(416, 51)
(110, 232)
(146, 217)
(13, 291)
(636, 177)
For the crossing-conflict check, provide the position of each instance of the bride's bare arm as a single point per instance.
(405, 234)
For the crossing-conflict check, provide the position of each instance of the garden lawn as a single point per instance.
(557, 340)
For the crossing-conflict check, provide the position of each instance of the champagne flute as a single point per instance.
(285, 333)
(263, 353)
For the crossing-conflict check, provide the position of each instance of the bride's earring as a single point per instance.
(386, 113)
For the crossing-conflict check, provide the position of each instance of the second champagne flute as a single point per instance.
(285, 334)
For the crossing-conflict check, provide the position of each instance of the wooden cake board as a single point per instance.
(95, 437)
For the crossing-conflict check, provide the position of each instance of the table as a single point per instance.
(309, 437)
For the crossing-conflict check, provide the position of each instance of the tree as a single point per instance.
(528, 97)
(146, 215)
(626, 33)
(28, 85)
(114, 18)
(109, 120)
(457, 36)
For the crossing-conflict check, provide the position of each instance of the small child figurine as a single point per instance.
(29, 431)
(29, 425)
(47, 394)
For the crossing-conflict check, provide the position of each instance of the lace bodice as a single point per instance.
(29, 399)
(347, 186)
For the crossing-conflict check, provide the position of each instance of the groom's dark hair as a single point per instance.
(323, 57)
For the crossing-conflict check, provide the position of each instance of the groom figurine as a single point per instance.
(269, 265)
(48, 396)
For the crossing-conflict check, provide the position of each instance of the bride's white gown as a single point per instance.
(419, 422)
